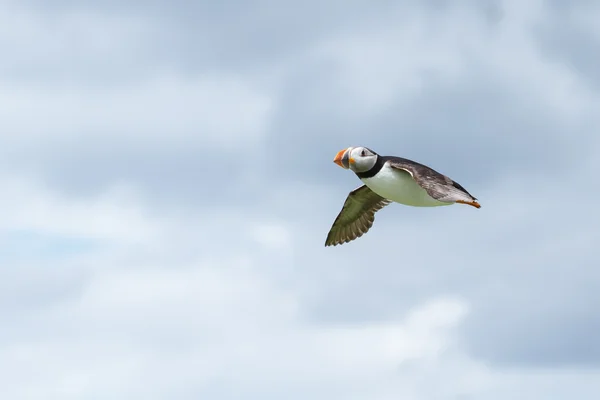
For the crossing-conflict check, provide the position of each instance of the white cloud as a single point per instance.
(546, 384)
(189, 327)
(162, 113)
(191, 318)
(68, 42)
(273, 236)
(123, 318)
(385, 63)
(390, 63)
(115, 215)
(229, 302)
(149, 106)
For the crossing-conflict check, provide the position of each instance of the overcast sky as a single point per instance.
(167, 187)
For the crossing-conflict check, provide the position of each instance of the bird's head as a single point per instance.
(357, 159)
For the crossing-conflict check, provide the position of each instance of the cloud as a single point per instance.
(213, 323)
(42, 211)
(211, 317)
(168, 188)
(442, 88)
(164, 112)
(87, 47)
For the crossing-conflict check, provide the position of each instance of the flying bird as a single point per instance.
(388, 179)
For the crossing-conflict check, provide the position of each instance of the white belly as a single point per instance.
(401, 188)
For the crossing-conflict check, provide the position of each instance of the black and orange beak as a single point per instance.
(342, 158)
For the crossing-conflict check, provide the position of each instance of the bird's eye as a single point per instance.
(363, 153)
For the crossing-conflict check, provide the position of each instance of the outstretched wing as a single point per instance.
(437, 185)
(356, 217)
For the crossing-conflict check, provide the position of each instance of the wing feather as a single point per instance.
(356, 217)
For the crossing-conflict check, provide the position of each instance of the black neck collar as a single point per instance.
(374, 169)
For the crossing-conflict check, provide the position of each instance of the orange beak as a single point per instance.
(341, 158)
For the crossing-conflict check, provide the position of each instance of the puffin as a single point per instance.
(386, 180)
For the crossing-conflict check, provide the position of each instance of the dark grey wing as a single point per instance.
(437, 185)
(356, 217)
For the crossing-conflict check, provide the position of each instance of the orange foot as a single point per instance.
(470, 203)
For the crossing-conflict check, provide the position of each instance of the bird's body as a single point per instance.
(389, 179)
(400, 187)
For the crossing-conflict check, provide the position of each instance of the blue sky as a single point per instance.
(168, 186)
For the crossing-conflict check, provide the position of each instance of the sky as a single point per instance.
(168, 186)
